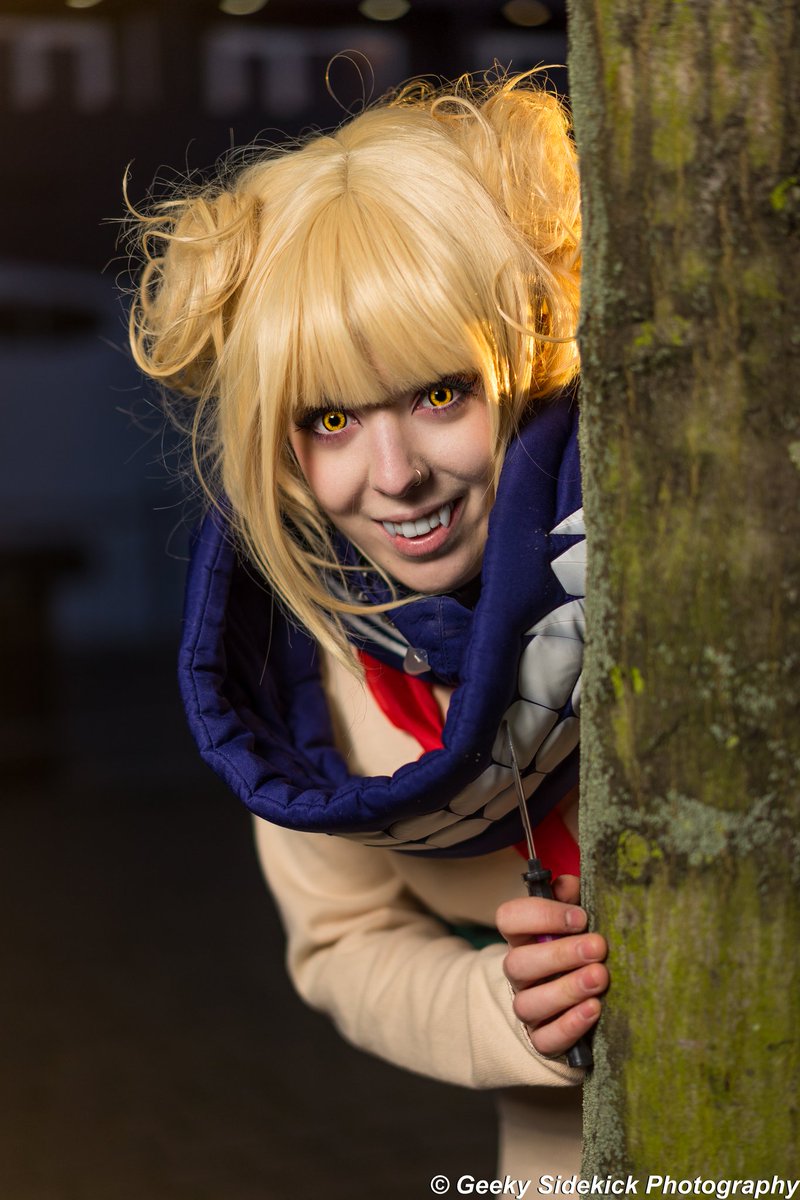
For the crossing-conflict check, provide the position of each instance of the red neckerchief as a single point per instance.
(410, 705)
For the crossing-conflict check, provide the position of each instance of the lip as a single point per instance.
(426, 543)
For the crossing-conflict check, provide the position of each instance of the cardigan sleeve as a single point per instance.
(389, 973)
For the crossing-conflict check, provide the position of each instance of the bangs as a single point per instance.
(378, 315)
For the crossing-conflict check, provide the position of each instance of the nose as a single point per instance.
(396, 465)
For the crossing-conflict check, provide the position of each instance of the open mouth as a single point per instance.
(414, 529)
(426, 536)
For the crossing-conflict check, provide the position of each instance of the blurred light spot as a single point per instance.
(526, 12)
(81, 3)
(241, 8)
(383, 10)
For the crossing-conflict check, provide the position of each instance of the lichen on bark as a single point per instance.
(686, 118)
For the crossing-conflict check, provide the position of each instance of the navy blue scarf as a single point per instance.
(250, 677)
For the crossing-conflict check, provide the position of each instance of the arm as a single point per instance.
(388, 973)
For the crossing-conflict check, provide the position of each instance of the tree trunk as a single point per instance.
(686, 116)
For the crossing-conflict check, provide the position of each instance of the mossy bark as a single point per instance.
(687, 122)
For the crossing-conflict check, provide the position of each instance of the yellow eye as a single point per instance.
(333, 421)
(439, 397)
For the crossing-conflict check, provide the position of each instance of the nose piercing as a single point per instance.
(419, 477)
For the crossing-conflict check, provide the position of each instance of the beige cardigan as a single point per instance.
(367, 945)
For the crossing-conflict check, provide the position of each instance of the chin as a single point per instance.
(430, 579)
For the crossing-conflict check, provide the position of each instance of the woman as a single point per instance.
(375, 330)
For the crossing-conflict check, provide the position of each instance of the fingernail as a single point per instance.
(589, 985)
(585, 952)
(589, 1010)
(575, 918)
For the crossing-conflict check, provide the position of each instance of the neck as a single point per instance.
(469, 594)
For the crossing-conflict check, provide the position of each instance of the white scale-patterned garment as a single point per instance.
(543, 720)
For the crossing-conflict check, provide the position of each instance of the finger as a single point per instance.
(567, 888)
(521, 919)
(537, 1005)
(560, 1035)
(533, 962)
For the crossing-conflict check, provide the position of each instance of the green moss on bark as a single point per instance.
(687, 124)
(705, 1016)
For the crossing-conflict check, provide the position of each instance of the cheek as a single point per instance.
(480, 467)
(328, 475)
(473, 449)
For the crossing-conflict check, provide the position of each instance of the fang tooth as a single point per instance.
(445, 513)
(389, 527)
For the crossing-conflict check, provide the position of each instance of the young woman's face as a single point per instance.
(408, 480)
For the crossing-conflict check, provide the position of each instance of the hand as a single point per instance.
(558, 1010)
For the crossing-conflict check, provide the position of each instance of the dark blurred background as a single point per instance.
(151, 1045)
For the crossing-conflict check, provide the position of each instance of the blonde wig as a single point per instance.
(435, 233)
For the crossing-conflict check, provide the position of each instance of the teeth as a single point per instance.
(410, 529)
